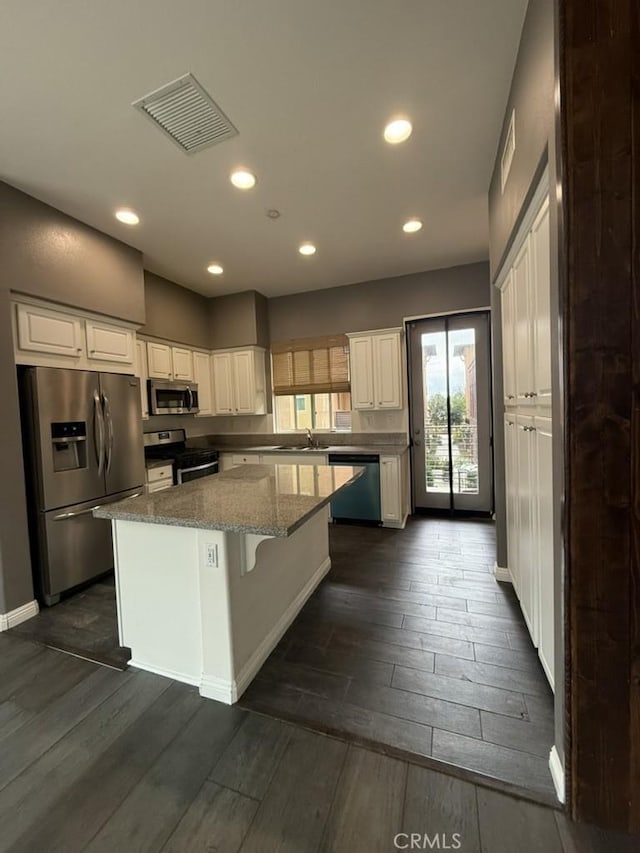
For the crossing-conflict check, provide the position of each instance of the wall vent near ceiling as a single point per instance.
(187, 114)
(509, 150)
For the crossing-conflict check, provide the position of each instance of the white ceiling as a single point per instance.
(309, 84)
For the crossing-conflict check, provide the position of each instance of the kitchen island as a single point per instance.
(210, 574)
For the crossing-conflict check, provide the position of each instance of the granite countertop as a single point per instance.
(373, 449)
(272, 500)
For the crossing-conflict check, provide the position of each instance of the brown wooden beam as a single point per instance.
(600, 117)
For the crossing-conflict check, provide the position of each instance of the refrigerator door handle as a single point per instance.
(98, 431)
(109, 421)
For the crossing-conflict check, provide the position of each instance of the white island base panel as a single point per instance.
(207, 607)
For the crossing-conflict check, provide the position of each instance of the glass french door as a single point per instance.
(452, 464)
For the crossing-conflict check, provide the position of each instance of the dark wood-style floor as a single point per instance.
(411, 646)
(99, 760)
(84, 624)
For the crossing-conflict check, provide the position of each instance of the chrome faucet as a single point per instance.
(310, 440)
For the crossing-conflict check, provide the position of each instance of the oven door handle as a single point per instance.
(182, 471)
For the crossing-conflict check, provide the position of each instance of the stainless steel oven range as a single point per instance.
(189, 463)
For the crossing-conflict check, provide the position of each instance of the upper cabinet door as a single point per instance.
(109, 343)
(361, 363)
(182, 362)
(222, 383)
(541, 304)
(43, 330)
(159, 360)
(202, 376)
(508, 342)
(387, 371)
(523, 337)
(244, 383)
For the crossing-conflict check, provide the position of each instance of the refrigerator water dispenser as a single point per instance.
(69, 445)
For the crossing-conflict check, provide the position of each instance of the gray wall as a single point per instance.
(175, 313)
(531, 95)
(239, 319)
(50, 255)
(378, 304)
(15, 564)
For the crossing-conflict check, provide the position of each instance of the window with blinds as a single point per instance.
(311, 366)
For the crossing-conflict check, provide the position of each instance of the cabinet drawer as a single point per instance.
(159, 474)
(245, 459)
(160, 486)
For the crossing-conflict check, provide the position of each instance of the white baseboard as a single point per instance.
(397, 525)
(19, 615)
(218, 689)
(501, 574)
(183, 677)
(557, 773)
(250, 669)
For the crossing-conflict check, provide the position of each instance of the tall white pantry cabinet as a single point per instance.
(528, 428)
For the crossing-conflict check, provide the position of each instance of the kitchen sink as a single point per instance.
(302, 447)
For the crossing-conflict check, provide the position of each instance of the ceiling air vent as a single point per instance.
(187, 114)
(509, 151)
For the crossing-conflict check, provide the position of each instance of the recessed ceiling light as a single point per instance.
(412, 225)
(397, 130)
(307, 249)
(129, 217)
(215, 269)
(243, 179)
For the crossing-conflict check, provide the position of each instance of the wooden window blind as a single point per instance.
(311, 365)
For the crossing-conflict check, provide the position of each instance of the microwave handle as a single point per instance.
(190, 403)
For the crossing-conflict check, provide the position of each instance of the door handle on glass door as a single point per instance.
(98, 427)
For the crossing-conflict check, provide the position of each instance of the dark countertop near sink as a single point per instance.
(375, 449)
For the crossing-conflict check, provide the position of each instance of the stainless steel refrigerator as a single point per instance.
(82, 434)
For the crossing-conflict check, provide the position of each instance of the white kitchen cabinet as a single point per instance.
(376, 370)
(244, 382)
(526, 321)
(222, 383)
(540, 295)
(159, 477)
(508, 342)
(391, 489)
(143, 374)
(239, 381)
(203, 378)
(106, 342)
(182, 363)
(361, 368)
(523, 334)
(44, 330)
(544, 537)
(159, 360)
(387, 360)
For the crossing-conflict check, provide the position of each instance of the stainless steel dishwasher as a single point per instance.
(361, 500)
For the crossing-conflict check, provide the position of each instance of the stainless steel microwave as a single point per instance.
(172, 397)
